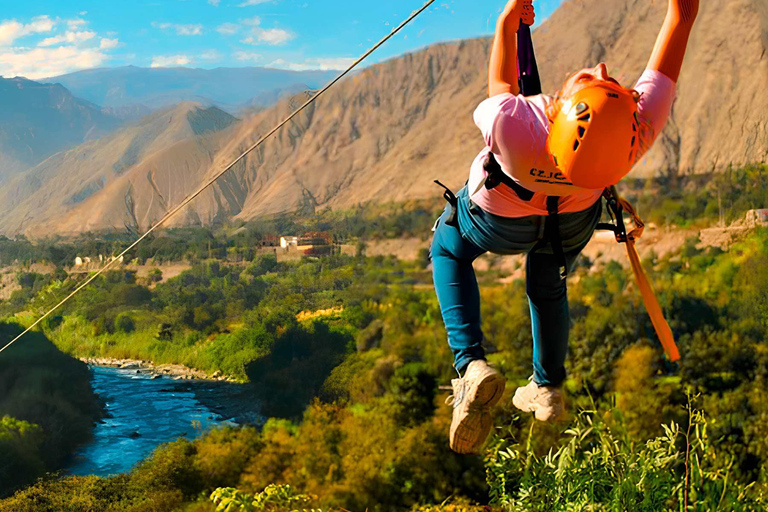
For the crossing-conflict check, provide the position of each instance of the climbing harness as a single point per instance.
(616, 206)
(218, 175)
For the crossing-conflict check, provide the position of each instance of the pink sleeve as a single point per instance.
(487, 113)
(657, 93)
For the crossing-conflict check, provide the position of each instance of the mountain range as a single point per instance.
(231, 89)
(386, 133)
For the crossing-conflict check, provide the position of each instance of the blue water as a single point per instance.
(142, 414)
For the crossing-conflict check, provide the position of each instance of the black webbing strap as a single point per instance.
(451, 198)
(528, 70)
(552, 233)
(497, 176)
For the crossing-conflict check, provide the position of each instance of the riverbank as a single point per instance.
(174, 371)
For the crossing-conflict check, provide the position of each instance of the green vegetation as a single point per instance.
(274, 497)
(346, 354)
(47, 409)
(701, 199)
(602, 468)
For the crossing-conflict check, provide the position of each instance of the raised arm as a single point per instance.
(502, 72)
(669, 51)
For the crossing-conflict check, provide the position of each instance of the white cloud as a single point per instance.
(248, 3)
(337, 63)
(46, 62)
(189, 30)
(258, 35)
(214, 3)
(270, 36)
(273, 36)
(68, 37)
(108, 44)
(228, 29)
(167, 61)
(39, 25)
(62, 51)
(246, 56)
(181, 30)
(10, 30)
(322, 64)
(76, 23)
(210, 55)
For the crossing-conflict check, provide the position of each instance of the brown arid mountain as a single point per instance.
(388, 132)
(41, 200)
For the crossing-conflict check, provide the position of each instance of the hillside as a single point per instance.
(387, 132)
(153, 88)
(38, 120)
(42, 196)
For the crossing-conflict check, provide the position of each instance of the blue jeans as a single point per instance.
(455, 248)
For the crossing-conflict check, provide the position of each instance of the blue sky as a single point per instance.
(43, 38)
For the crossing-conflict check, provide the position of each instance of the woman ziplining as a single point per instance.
(536, 189)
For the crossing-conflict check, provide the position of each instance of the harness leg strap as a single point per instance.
(553, 234)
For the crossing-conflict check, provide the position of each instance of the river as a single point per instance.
(142, 413)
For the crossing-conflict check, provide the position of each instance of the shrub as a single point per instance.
(155, 275)
(413, 390)
(274, 498)
(124, 323)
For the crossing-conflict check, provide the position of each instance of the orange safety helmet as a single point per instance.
(593, 139)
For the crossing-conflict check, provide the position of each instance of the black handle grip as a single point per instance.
(528, 71)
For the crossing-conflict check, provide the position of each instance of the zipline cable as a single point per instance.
(210, 182)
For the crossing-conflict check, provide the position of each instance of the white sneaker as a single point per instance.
(473, 396)
(546, 402)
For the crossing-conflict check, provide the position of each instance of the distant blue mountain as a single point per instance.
(38, 120)
(232, 89)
